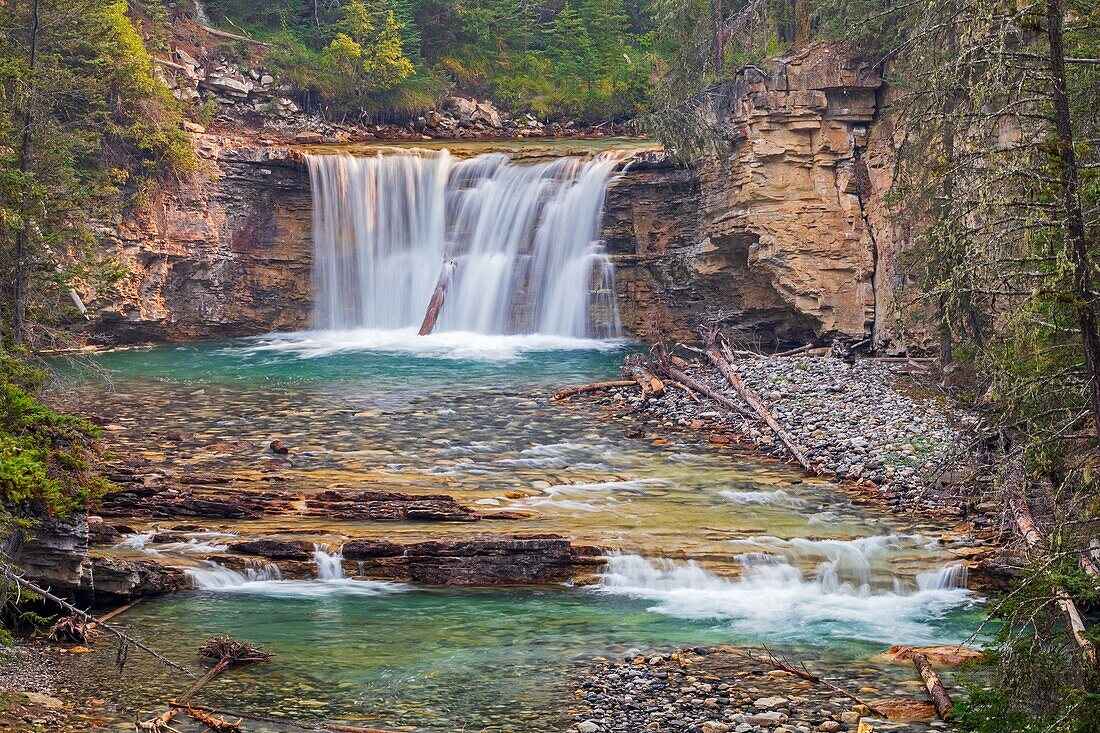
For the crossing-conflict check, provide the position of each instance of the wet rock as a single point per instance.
(279, 447)
(948, 655)
(388, 506)
(492, 561)
(101, 533)
(368, 549)
(906, 708)
(274, 549)
(113, 579)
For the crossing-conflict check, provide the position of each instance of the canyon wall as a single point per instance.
(783, 237)
(778, 237)
(226, 252)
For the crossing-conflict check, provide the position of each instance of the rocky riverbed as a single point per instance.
(873, 423)
(725, 690)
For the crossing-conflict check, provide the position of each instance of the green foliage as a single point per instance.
(366, 52)
(1032, 681)
(586, 59)
(98, 124)
(45, 456)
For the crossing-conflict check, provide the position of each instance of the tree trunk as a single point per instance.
(940, 699)
(1021, 512)
(435, 305)
(719, 36)
(26, 156)
(1071, 205)
(801, 21)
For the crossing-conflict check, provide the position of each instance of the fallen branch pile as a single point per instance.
(653, 375)
(228, 652)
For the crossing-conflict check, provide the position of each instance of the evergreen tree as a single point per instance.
(366, 54)
(86, 120)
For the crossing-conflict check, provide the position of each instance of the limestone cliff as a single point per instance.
(772, 238)
(224, 253)
(784, 236)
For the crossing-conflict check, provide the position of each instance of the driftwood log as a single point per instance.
(940, 699)
(435, 305)
(158, 724)
(562, 394)
(725, 366)
(672, 373)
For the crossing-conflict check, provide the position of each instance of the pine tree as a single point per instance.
(87, 118)
(366, 54)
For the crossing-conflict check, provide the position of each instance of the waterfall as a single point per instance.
(213, 575)
(523, 239)
(329, 564)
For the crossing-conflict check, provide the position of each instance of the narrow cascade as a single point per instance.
(520, 242)
(329, 564)
(215, 576)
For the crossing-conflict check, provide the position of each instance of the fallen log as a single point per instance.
(940, 699)
(218, 725)
(726, 367)
(793, 352)
(562, 394)
(1025, 523)
(89, 617)
(684, 388)
(674, 374)
(231, 36)
(655, 383)
(159, 723)
(120, 610)
(435, 305)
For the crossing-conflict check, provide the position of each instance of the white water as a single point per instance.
(458, 345)
(779, 497)
(772, 599)
(329, 565)
(267, 580)
(523, 239)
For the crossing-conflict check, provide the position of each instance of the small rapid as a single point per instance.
(772, 599)
(266, 579)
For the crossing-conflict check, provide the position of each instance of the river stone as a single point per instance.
(768, 703)
(769, 719)
(274, 549)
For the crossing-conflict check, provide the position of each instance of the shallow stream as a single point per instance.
(710, 545)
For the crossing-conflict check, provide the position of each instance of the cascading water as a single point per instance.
(330, 565)
(518, 242)
(845, 595)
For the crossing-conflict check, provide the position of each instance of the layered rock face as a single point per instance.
(783, 237)
(226, 253)
(771, 239)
